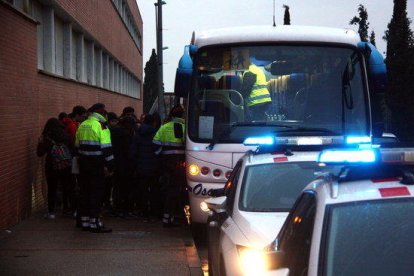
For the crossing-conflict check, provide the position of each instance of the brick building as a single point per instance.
(55, 54)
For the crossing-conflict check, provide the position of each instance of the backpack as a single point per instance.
(60, 156)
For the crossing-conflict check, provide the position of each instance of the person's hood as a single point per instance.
(67, 121)
(98, 117)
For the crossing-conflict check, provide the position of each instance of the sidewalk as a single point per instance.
(38, 246)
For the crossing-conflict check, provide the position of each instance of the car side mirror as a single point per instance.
(216, 192)
(216, 204)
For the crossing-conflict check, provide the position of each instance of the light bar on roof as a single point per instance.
(302, 141)
(347, 156)
(397, 155)
(257, 141)
(358, 139)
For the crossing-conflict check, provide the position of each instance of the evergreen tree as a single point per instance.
(150, 82)
(286, 18)
(372, 38)
(362, 21)
(400, 70)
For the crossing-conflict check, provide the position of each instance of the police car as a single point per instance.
(355, 222)
(248, 213)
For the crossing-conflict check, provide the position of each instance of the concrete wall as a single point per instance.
(28, 97)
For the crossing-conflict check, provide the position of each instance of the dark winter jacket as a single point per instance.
(121, 138)
(44, 146)
(143, 151)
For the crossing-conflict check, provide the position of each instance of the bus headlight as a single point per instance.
(193, 169)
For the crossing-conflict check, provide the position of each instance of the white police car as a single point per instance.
(356, 222)
(254, 205)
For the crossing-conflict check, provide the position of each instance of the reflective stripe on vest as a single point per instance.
(90, 153)
(166, 152)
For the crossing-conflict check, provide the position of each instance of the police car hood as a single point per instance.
(260, 228)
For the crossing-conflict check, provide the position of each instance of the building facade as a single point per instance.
(55, 54)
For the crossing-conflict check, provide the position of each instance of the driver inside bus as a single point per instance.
(254, 90)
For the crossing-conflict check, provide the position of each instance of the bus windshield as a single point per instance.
(281, 89)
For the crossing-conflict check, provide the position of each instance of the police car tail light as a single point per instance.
(205, 170)
(228, 173)
(253, 261)
(348, 156)
(358, 139)
(193, 169)
(259, 140)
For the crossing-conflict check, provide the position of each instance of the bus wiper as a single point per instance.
(259, 123)
(347, 98)
(229, 130)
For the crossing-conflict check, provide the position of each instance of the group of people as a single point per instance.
(119, 166)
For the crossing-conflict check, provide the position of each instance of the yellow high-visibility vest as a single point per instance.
(92, 139)
(165, 137)
(259, 94)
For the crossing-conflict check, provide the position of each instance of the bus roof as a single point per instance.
(282, 33)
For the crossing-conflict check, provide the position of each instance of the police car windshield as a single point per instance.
(274, 187)
(369, 238)
(302, 86)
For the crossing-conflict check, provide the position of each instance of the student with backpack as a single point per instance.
(54, 143)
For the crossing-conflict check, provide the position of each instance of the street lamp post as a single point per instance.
(158, 18)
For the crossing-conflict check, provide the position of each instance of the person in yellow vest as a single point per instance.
(258, 100)
(170, 139)
(94, 148)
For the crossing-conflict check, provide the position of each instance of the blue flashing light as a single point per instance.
(258, 141)
(358, 139)
(348, 156)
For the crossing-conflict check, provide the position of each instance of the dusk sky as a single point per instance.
(182, 17)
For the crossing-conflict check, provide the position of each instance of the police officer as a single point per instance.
(93, 144)
(255, 90)
(171, 145)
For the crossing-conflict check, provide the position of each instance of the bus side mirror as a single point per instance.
(184, 73)
(377, 70)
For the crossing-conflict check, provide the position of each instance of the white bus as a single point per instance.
(322, 82)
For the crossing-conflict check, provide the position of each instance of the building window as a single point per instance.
(58, 46)
(64, 51)
(90, 62)
(37, 14)
(98, 67)
(74, 55)
(126, 16)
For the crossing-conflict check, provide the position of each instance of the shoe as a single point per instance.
(102, 229)
(83, 223)
(49, 216)
(96, 226)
